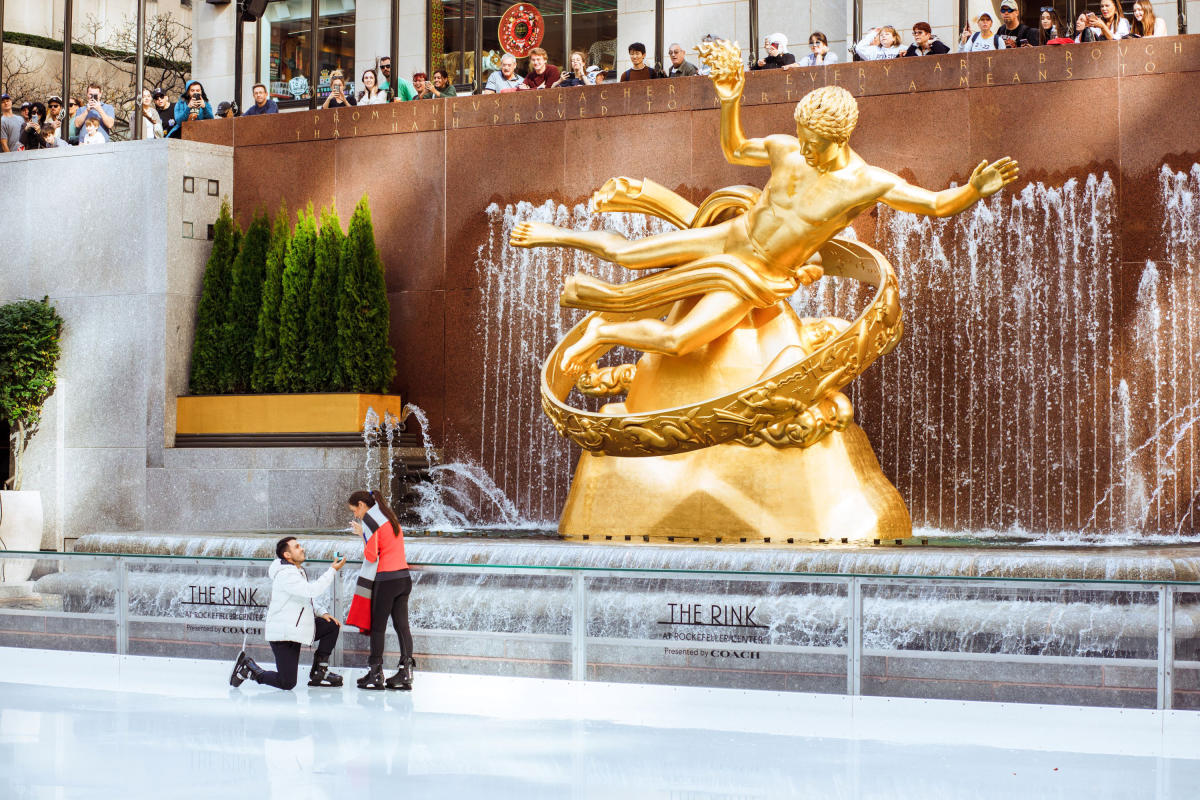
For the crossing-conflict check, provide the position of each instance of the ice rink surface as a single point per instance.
(93, 726)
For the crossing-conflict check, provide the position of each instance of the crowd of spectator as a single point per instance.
(38, 125)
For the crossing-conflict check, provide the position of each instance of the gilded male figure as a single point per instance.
(818, 185)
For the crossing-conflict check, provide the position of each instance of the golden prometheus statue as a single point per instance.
(728, 365)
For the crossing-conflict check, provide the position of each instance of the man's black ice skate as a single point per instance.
(404, 676)
(244, 668)
(373, 679)
(320, 675)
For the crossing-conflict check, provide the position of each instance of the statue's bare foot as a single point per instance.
(809, 274)
(578, 357)
(533, 234)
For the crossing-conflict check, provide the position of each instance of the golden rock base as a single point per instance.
(732, 494)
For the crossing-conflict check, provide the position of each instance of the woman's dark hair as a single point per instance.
(1059, 30)
(372, 498)
(39, 108)
(822, 38)
(282, 545)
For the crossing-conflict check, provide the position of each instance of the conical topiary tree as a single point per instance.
(367, 359)
(208, 348)
(245, 301)
(266, 336)
(293, 309)
(322, 357)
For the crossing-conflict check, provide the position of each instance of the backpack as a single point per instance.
(995, 40)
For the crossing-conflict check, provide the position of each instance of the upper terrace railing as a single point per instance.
(1066, 63)
(1081, 642)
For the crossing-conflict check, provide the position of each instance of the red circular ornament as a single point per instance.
(521, 29)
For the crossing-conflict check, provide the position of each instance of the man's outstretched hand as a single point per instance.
(987, 179)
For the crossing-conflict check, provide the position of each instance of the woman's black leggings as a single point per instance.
(390, 598)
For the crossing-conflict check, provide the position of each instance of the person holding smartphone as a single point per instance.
(191, 107)
(292, 621)
(104, 111)
(337, 93)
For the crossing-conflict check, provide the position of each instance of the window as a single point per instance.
(594, 31)
(287, 27)
(335, 45)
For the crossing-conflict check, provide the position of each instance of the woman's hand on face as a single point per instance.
(356, 526)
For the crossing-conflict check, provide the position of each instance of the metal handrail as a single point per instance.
(808, 577)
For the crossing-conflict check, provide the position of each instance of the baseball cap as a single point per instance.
(54, 99)
(157, 92)
(984, 14)
(1008, 5)
(5, 96)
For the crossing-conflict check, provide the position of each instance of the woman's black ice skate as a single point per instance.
(244, 668)
(320, 675)
(404, 676)
(373, 679)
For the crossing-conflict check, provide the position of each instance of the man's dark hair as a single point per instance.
(282, 545)
(255, 86)
(637, 47)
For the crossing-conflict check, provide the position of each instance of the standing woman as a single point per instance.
(151, 123)
(1111, 24)
(393, 584)
(577, 75)
(371, 95)
(1050, 26)
(337, 93)
(1144, 21)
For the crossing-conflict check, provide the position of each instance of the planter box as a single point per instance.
(274, 420)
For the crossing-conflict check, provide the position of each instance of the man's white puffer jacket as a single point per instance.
(290, 614)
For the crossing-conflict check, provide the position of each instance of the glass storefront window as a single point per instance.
(287, 48)
(594, 31)
(287, 28)
(335, 45)
(455, 52)
(592, 25)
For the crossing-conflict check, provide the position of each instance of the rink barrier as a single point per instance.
(1115, 643)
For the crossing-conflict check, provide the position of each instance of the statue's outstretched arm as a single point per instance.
(985, 181)
(737, 147)
(728, 76)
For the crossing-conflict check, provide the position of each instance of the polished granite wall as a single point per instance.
(116, 236)
(432, 169)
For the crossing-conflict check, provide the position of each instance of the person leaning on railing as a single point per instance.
(1145, 23)
(371, 94)
(504, 79)
(925, 42)
(777, 56)
(577, 75)
(542, 74)
(819, 52)
(879, 44)
(337, 97)
(1110, 24)
(981, 40)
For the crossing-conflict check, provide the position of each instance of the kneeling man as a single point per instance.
(292, 621)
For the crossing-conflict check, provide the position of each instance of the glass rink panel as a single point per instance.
(54, 603)
(746, 633)
(1014, 643)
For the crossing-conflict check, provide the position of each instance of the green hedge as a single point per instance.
(293, 310)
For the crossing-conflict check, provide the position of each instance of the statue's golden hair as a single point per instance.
(830, 111)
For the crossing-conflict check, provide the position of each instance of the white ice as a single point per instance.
(91, 726)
